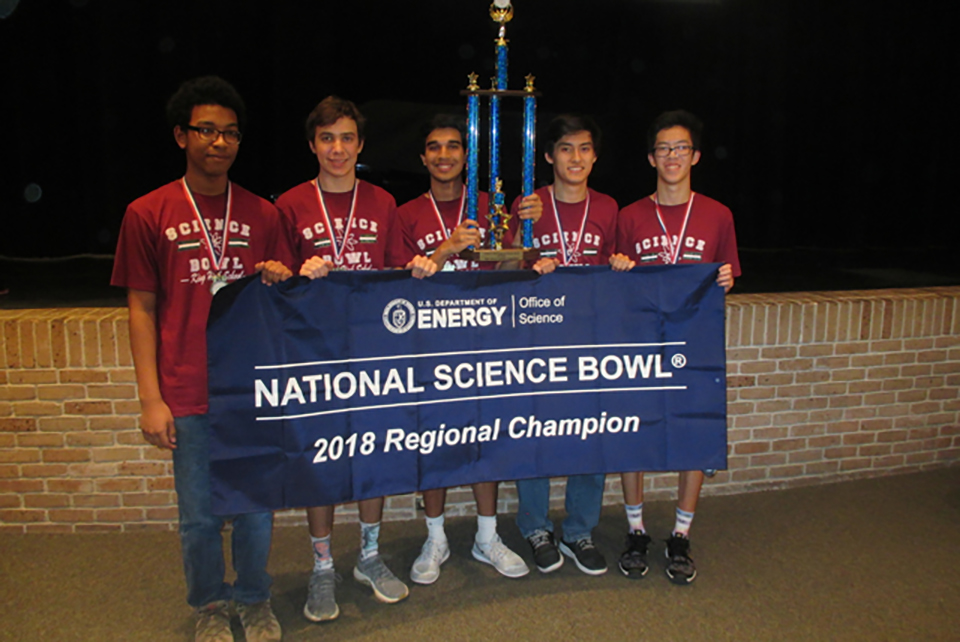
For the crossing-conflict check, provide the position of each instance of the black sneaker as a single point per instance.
(680, 569)
(545, 553)
(585, 554)
(633, 561)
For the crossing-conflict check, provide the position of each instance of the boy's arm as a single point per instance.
(278, 253)
(156, 420)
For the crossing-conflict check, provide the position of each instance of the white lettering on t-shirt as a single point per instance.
(570, 236)
(660, 241)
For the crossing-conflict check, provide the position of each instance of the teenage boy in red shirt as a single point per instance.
(672, 225)
(336, 221)
(435, 224)
(178, 245)
(578, 227)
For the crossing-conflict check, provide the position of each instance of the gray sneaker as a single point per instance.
(375, 574)
(259, 622)
(321, 596)
(213, 623)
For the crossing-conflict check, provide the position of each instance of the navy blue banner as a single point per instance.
(368, 384)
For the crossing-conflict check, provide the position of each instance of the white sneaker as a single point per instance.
(500, 557)
(426, 568)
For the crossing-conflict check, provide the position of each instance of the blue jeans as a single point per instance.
(201, 543)
(584, 497)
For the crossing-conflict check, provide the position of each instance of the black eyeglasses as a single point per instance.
(210, 134)
(662, 151)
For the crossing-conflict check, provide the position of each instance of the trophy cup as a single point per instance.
(502, 12)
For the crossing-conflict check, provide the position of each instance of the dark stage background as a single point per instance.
(828, 131)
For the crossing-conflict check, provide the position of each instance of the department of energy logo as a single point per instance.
(399, 316)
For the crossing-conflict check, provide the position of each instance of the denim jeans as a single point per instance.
(584, 497)
(201, 542)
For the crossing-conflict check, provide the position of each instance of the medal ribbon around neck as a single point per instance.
(567, 253)
(337, 252)
(217, 255)
(436, 210)
(674, 250)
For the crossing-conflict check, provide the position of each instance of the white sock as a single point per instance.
(682, 525)
(635, 518)
(435, 529)
(486, 529)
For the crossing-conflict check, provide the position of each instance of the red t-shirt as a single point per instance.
(162, 249)
(709, 236)
(422, 233)
(598, 239)
(372, 242)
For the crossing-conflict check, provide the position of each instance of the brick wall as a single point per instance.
(821, 387)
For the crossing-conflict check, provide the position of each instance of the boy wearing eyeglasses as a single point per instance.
(178, 245)
(338, 222)
(672, 225)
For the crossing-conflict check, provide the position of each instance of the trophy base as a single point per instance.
(504, 254)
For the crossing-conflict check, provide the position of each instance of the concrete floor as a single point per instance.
(863, 560)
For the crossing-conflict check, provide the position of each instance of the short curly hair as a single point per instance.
(206, 90)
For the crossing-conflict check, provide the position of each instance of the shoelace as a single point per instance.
(378, 570)
(540, 538)
(585, 543)
(324, 578)
(434, 550)
(496, 551)
(258, 617)
(209, 622)
(322, 588)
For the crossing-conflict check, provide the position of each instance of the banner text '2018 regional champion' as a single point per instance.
(364, 385)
